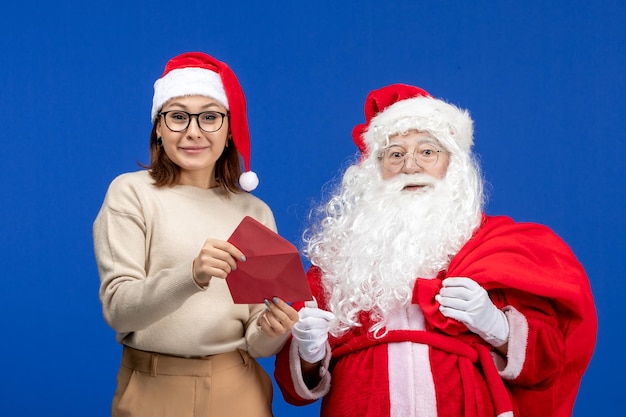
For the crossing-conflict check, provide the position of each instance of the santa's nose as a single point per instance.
(410, 166)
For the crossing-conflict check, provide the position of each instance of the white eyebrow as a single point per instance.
(419, 142)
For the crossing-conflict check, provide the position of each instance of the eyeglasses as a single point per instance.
(208, 121)
(394, 157)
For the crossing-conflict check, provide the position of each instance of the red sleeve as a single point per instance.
(542, 354)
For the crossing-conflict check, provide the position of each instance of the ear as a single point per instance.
(158, 127)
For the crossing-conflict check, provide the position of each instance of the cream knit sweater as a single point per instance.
(145, 240)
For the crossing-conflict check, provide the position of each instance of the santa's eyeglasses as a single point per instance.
(394, 157)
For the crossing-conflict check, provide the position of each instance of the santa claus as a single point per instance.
(424, 305)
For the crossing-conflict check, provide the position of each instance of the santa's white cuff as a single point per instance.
(511, 367)
(298, 381)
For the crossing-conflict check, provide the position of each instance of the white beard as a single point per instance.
(375, 242)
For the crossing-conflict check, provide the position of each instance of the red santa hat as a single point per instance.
(196, 73)
(399, 108)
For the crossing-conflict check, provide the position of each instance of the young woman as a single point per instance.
(160, 244)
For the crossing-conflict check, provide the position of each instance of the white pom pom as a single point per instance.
(248, 180)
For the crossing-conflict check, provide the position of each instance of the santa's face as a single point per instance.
(414, 153)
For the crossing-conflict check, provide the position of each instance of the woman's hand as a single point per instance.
(217, 258)
(278, 318)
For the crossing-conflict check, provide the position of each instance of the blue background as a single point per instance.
(544, 82)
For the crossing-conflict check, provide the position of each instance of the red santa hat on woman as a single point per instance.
(196, 73)
(399, 108)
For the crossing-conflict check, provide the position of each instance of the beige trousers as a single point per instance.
(156, 385)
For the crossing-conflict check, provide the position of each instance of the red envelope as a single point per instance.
(272, 268)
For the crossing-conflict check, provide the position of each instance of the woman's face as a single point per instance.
(194, 150)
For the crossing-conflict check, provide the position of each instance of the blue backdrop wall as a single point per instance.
(544, 82)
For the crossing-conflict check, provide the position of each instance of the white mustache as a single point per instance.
(398, 182)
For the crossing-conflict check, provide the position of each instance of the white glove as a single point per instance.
(310, 333)
(463, 299)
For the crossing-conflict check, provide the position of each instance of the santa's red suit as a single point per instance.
(430, 365)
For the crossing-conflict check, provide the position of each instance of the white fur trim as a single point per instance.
(451, 125)
(187, 82)
(518, 342)
(248, 180)
(411, 384)
(298, 381)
